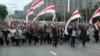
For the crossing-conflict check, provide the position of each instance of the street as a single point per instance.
(49, 50)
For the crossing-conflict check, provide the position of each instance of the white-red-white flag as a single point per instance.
(29, 12)
(49, 9)
(37, 4)
(76, 14)
(10, 20)
(34, 5)
(95, 14)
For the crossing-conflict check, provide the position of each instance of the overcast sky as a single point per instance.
(15, 4)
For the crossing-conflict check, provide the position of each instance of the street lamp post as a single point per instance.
(68, 5)
(64, 11)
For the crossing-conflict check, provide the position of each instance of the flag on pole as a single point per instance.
(34, 5)
(10, 19)
(49, 9)
(29, 12)
(76, 14)
(95, 14)
(37, 4)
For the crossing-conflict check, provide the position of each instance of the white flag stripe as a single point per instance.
(26, 18)
(96, 25)
(47, 11)
(75, 16)
(30, 13)
(50, 11)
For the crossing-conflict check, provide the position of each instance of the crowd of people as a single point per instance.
(21, 33)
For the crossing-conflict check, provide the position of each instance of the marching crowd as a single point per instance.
(19, 34)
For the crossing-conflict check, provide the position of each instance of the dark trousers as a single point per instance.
(1, 41)
(36, 40)
(23, 41)
(17, 41)
(72, 41)
(41, 39)
(6, 40)
(96, 39)
(13, 40)
(83, 42)
(55, 43)
(29, 40)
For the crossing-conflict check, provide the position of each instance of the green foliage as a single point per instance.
(86, 13)
(45, 17)
(3, 11)
(59, 17)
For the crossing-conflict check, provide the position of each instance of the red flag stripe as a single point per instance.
(98, 11)
(38, 1)
(30, 9)
(50, 8)
(75, 13)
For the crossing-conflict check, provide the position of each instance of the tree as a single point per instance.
(47, 17)
(59, 17)
(3, 11)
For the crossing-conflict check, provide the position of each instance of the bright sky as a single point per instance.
(15, 4)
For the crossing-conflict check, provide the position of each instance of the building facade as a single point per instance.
(62, 5)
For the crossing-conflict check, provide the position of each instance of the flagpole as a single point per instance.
(77, 9)
(58, 6)
(64, 12)
(86, 15)
(68, 5)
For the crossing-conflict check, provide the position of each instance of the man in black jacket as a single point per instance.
(83, 35)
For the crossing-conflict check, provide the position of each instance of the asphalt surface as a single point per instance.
(91, 49)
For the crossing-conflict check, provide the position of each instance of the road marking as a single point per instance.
(98, 48)
(53, 53)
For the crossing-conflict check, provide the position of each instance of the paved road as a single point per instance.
(49, 50)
